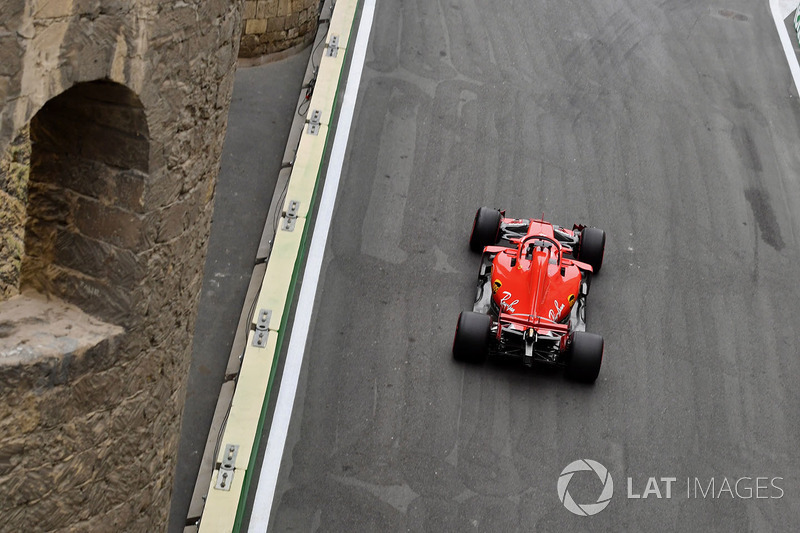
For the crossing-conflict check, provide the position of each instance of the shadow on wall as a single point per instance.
(84, 227)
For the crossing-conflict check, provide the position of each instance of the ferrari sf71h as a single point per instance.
(531, 299)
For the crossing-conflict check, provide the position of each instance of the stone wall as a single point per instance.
(274, 25)
(126, 103)
(61, 417)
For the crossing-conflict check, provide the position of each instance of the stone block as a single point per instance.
(47, 203)
(261, 10)
(10, 454)
(39, 238)
(275, 24)
(112, 225)
(10, 50)
(109, 107)
(127, 190)
(255, 26)
(223, 59)
(249, 45)
(94, 296)
(47, 10)
(89, 178)
(174, 18)
(161, 188)
(97, 259)
(250, 9)
(12, 216)
(303, 16)
(169, 222)
(291, 22)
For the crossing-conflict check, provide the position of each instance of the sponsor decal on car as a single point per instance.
(496, 284)
(555, 313)
(506, 304)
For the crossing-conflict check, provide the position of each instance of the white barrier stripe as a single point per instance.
(268, 479)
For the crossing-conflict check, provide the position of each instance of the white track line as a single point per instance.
(276, 441)
(780, 10)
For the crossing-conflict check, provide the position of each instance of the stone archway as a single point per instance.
(84, 226)
(72, 387)
(126, 109)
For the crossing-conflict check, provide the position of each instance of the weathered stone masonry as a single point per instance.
(107, 207)
(275, 25)
(14, 168)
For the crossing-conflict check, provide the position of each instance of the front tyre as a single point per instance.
(592, 247)
(485, 229)
(584, 357)
(471, 341)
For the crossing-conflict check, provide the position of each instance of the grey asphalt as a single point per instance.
(261, 113)
(674, 125)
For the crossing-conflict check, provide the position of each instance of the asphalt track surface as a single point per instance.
(673, 125)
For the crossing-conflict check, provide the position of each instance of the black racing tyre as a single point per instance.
(592, 247)
(471, 341)
(585, 357)
(485, 229)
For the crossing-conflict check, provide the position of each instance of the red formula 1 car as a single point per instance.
(532, 287)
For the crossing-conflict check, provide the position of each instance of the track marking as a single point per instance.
(276, 440)
(780, 10)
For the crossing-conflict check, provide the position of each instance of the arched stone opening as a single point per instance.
(89, 164)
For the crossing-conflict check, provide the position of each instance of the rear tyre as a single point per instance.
(585, 357)
(592, 247)
(485, 229)
(471, 341)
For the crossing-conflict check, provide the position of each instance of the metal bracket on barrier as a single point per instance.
(291, 216)
(260, 338)
(314, 122)
(333, 46)
(227, 467)
(262, 328)
(264, 316)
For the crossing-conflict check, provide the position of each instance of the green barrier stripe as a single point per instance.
(240, 511)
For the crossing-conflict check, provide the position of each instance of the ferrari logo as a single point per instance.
(496, 284)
